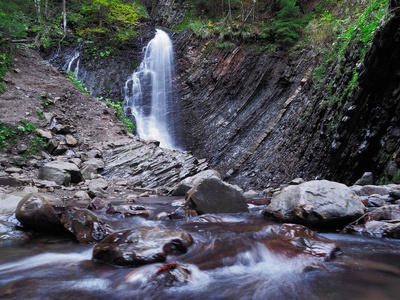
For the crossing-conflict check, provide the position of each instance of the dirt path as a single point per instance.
(94, 124)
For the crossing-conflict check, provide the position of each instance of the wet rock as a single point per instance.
(166, 275)
(61, 172)
(382, 229)
(389, 212)
(368, 190)
(366, 179)
(395, 194)
(301, 240)
(182, 213)
(98, 203)
(145, 195)
(34, 212)
(185, 185)
(85, 225)
(316, 203)
(129, 210)
(8, 231)
(9, 203)
(212, 195)
(141, 245)
(373, 201)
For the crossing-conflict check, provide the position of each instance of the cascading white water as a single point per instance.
(149, 92)
(73, 57)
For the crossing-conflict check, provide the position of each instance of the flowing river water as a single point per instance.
(234, 256)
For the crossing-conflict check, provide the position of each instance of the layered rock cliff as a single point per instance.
(259, 121)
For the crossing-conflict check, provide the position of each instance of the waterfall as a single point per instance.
(71, 59)
(149, 92)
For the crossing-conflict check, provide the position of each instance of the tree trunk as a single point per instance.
(64, 13)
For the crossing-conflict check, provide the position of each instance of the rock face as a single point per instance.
(34, 212)
(149, 166)
(316, 203)
(279, 127)
(85, 225)
(212, 195)
(62, 173)
(166, 13)
(141, 245)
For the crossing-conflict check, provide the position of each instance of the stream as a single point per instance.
(234, 257)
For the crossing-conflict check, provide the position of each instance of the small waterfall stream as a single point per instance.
(70, 62)
(149, 92)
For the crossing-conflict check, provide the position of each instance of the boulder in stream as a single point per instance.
(316, 203)
(381, 222)
(85, 225)
(141, 245)
(129, 210)
(186, 184)
(35, 212)
(212, 195)
(295, 239)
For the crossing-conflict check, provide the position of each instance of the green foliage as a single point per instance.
(37, 143)
(15, 17)
(109, 19)
(119, 110)
(26, 127)
(287, 27)
(344, 34)
(39, 114)
(7, 136)
(6, 58)
(77, 82)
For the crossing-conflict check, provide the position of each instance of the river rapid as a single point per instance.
(234, 256)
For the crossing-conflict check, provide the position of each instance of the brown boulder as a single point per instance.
(85, 225)
(141, 245)
(34, 212)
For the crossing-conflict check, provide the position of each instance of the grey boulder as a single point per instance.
(314, 203)
(212, 195)
(63, 173)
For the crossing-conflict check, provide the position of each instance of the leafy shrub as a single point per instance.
(107, 18)
(7, 136)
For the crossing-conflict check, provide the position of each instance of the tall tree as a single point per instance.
(64, 13)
